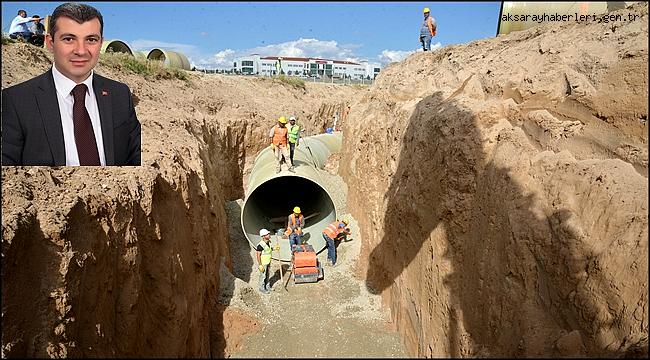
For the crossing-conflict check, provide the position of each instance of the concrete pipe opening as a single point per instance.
(116, 46)
(271, 197)
(170, 59)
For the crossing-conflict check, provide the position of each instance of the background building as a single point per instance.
(305, 67)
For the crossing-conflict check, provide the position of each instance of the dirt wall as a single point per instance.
(501, 191)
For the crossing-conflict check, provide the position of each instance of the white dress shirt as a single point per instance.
(64, 88)
(19, 24)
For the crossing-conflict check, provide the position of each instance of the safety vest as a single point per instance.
(280, 135)
(332, 230)
(266, 253)
(293, 133)
(292, 225)
(424, 29)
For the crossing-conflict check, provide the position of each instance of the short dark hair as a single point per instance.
(77, 12)
(22, 11)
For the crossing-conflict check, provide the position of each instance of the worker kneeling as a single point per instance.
(295, 224)
(264, 260)
(330, 233)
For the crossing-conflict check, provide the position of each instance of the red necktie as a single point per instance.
(84, 136)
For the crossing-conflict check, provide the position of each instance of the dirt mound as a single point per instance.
(125, 262)
(501, 191)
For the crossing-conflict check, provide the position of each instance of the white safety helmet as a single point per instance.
(264, 232)
(292, 118)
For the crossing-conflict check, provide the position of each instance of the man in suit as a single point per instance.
(71, 115)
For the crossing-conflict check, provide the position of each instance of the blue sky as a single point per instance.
(213, 34)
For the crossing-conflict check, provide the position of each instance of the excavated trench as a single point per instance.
(489, 217)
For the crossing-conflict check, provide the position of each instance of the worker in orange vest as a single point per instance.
(295, 224)
(330, 233)
(279, 143)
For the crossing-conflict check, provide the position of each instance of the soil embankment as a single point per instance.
(501, 192)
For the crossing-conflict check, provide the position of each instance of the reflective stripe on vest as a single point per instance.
(280, 135)
(266, 253)
(293, 133)
(332, 230)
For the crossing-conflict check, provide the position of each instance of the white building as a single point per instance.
(305, 67)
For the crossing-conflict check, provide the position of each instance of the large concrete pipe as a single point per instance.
(116, 46)
(170, 58)
(271, 197)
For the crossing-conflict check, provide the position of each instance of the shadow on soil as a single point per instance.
(500, 252)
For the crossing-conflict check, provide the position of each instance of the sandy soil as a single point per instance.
(501, 190)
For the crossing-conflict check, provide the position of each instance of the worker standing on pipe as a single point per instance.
(279, 144)
(293, 136)
(330, 233)
(264, 260)
(295, 224)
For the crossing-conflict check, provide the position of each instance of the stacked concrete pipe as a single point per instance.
(271, 197)
(116, 46)
(170, 59)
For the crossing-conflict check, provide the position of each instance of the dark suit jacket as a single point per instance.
(32, 133)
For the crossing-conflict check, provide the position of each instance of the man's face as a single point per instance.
(76, 47)
(22, 14)
(426, 14)
(281, 124)
(292, 122)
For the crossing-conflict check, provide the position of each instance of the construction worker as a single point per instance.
(264, 260)
(279, 139)
(330, 233)
(293, 136)
(295, 224)
(427, 30)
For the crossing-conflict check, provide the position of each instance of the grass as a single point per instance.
(7, 40)
(147, 68)
(296, 83)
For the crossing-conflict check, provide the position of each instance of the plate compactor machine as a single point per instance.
(305, 266)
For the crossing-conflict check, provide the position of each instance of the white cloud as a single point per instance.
(297, 48)
(388, 56)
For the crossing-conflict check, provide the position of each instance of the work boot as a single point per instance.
(277, 171)
(292, 170)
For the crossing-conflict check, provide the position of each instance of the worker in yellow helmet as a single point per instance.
(279, 136)
(331, 233)
(427, 30)
(295, 224)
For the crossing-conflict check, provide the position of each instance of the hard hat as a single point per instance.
(426, 10)
(282, 120)
(292, 118)
(346, 222)
(296, 210)
(264, 232)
